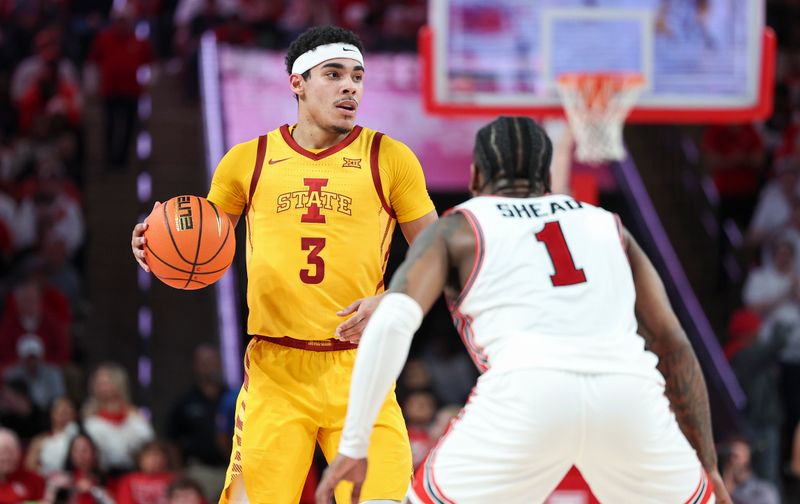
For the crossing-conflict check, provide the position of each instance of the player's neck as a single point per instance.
(512, 191)
(310, 135)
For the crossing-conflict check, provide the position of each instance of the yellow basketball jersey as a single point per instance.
(319, 225)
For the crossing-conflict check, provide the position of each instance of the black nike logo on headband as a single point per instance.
(348, 50)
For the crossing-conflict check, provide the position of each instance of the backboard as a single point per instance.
(701, 60)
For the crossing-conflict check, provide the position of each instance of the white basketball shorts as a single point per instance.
(521, 431)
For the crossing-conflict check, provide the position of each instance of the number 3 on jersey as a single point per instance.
(566, 272)
(315, 245)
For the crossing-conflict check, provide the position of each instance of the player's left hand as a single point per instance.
(352, 328)
(720, 492)
(342, 468)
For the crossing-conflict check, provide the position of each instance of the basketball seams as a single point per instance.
(188, 274)
(224, 241)
(204, 284)
(147, 246)
(199, 242)
(172, 237)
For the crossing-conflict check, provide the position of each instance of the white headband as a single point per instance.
(314, 57)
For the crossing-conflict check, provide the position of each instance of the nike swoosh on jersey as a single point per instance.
(275, 161)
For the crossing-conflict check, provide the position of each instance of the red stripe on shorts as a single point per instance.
(419, 488)
(704, 490)
(446, 499)
(709, 489)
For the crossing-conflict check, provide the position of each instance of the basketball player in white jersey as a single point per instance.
(546, 293)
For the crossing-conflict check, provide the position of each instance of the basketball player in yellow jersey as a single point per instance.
(320, 200)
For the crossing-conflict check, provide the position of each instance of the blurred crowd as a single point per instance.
(755, 169)
(68, 435)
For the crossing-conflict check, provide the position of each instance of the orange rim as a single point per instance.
(597, 89)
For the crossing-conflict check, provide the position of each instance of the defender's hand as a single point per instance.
(342, 468)
(352, 328)
(138, 240)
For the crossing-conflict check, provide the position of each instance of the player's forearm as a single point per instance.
(686, 391)
(381, 355)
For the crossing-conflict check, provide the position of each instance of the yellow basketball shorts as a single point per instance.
(292, 399)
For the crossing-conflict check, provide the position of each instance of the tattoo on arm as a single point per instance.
(424, 272)
(422, 245)
(685, 387)
(686, 391)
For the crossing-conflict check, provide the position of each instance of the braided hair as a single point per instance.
(511, 149)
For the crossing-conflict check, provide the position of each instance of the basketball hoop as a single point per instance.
(597, 105)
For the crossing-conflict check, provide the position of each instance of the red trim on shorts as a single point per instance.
(433, 480)
(419, 486)
(463, 325)
(419, 490)
(709, 490)
(327, 345)
(374, 149)
(479, 253)
(705, 489)
(316, 156)
(429, 491)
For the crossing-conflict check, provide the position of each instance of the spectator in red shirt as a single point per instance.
(49, 205)
(235, 32)
(735, 157)
(39, 309)
(81, 481)
(119, 54)
(790, 141)
(49, 106)
(47, 45)
(16, 484)
(150, 483)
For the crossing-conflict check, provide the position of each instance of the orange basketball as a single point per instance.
(189, 242)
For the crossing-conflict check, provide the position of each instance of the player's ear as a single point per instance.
(475, 180)
(297, 83)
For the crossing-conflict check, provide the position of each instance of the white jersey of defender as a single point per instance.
(551, 287)
(548, 313)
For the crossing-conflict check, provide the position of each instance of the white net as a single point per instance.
(596, 106)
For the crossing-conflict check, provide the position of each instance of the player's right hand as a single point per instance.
(343, 468)
(138, 240)
(720, 492)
